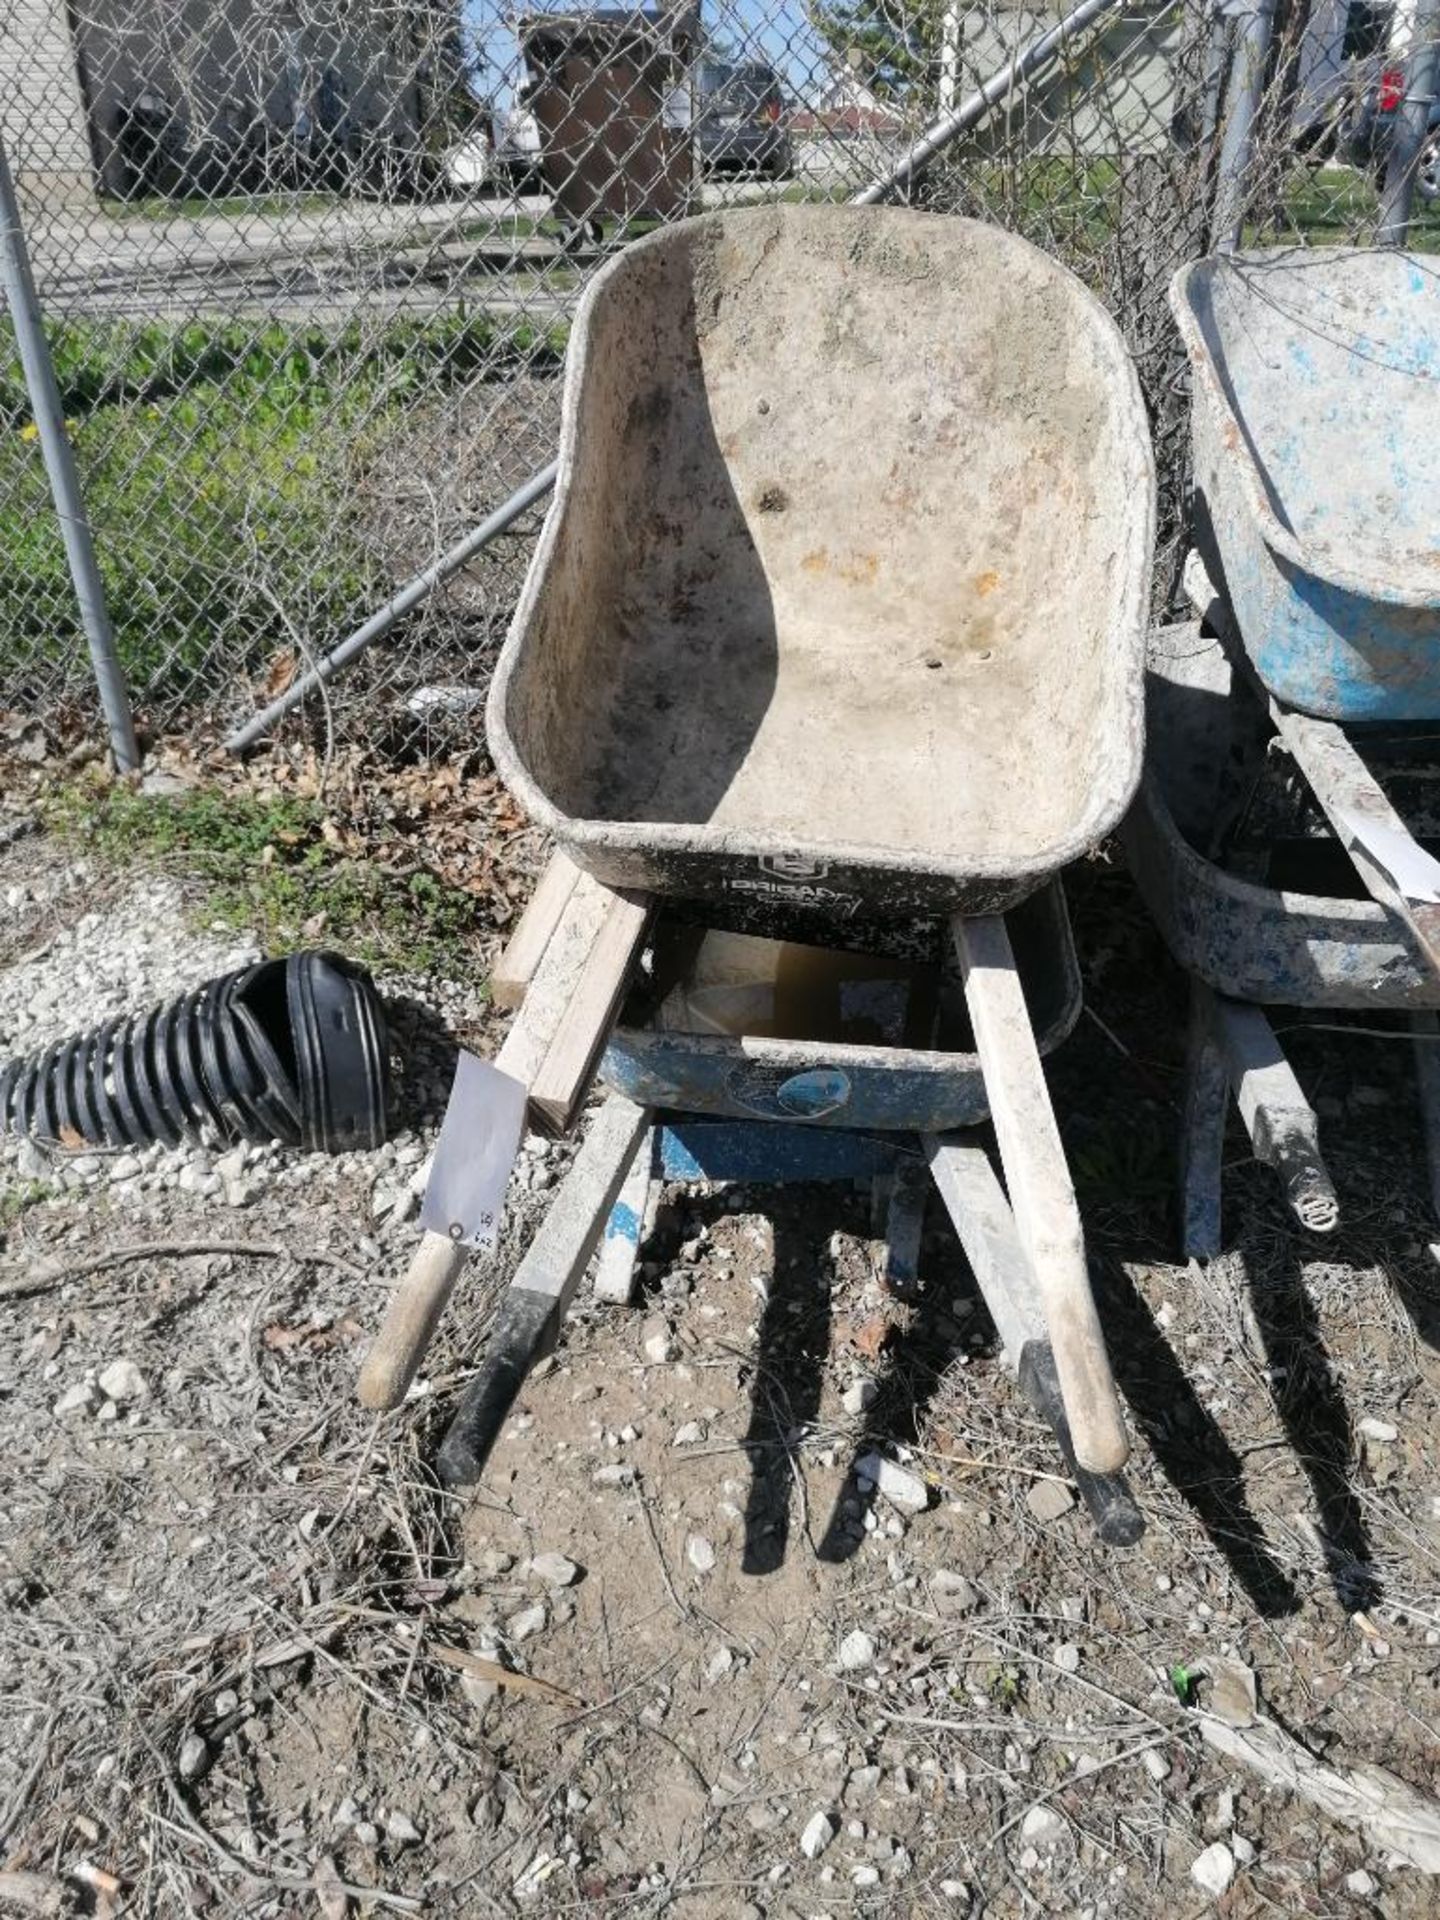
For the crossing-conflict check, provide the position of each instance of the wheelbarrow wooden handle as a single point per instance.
(1041, 1195)
(553, 1047)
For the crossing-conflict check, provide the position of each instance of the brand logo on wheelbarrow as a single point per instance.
(796, 878)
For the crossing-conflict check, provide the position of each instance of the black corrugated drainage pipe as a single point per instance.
(292, 1050)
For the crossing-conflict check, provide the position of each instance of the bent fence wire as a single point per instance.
(307, 269)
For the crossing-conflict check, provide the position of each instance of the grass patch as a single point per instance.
(16, 1202)
(216, 461)
(267, 866)
(1338, 206)
(235, 206)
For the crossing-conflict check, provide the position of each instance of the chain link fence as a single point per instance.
(307, 269)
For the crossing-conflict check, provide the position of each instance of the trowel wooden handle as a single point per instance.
(1041, 1195)
(410, 1322)
(569, 1006)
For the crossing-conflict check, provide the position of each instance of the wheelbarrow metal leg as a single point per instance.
(1202, 1141)
(904, 1226)
(1426, 1028)
(626, 1227)
(533, 1307)
(1279, 1119)
(1041, 1194)
(986, 1227)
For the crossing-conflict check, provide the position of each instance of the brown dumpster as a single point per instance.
(599, 86)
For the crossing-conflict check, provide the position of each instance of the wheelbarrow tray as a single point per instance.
(829, 1084)
(1247, 940)
(1317, 469)
(841, 599)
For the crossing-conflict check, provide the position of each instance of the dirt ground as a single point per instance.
(244, 1639)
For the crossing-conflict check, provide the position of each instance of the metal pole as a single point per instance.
(1254, 23)
(18, 283)
(975, 106)
(410, 595)
(948, 128)
(1412, 126)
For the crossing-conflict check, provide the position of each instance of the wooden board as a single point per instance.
(532, 935)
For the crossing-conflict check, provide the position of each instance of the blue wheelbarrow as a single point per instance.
(1316, 427)
(1317, 538)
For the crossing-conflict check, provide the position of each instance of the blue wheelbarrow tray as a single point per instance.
(888, 1089)
(1316, 425)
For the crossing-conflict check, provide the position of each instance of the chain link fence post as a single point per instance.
(49, 421)
(1412, 126)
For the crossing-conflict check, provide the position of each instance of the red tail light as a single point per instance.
(1392, 89)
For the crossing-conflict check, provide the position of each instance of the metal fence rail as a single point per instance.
(306, 269)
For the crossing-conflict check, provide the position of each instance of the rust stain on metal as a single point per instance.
(859, 569)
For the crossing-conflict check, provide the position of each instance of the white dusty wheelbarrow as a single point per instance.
(840, 606)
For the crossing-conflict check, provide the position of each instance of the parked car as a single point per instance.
(740, 119)
(1369, 135)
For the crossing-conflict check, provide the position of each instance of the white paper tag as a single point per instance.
(479, 1139)
(1414, 872)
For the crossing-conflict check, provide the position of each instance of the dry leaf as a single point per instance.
(279, 1338)
(330, 1889)
(282, 672)
(872, 1336)
(72, 1138)
(479, 1668)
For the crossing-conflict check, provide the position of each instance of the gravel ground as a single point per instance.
(248, 1654)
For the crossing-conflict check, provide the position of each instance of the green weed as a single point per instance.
(266, 866)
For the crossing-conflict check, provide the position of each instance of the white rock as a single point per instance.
(952, 1592)
(719, 1666)
(1049, 1500)
(1243, 1849)
(400, 1828)
(77, 1399)
(1043, 1826)
(1156, 1765)
(555, 1569)
(1067, 1657)
(897, 1484)
(231, 1165)
(1214, 1869)
(1378, 1429)
(1362, 1884)
(527, 1623)
(819, 1832)
(700, 1553)
(122, 1382)
(955, 1889)
(30, 1163)
(194, 1754)
(532, 1880)
(124, 1166)
(865, 1877)
(690, 1435)
(657, 1343)
(860, 1396)
(620, 1475)
(857, 1650)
